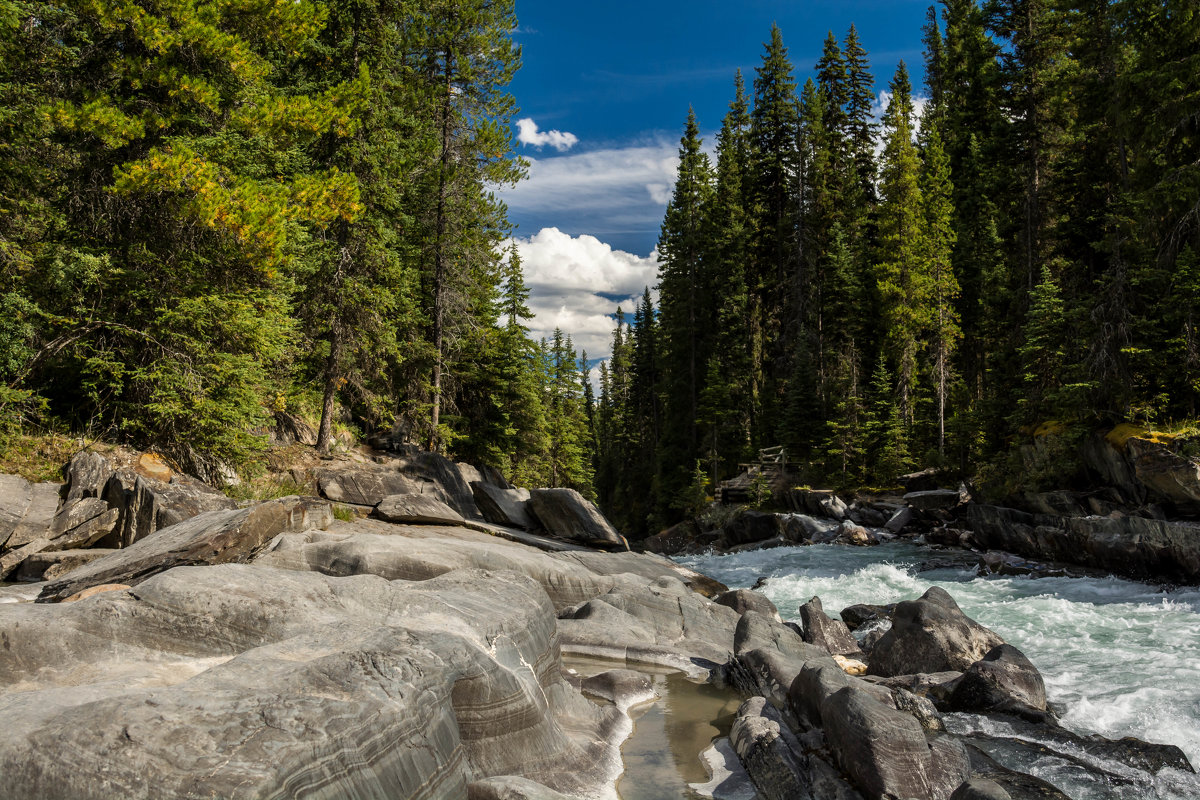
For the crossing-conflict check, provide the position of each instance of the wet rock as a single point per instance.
(565, 513)
(857, 615)
(26, 510)
(899, 520)
(748, 527)
(679, 538)
(416, 509)
(1135, 547)
(216, 537)
(885, 751)
(855, 535)
(980, 789)
(743, 600)
(936, 499)
(1003, 680)
(829, 634)
(770, 752)
(511, 787)
(987, 773)
(922, 709)
(930, 634)
(507, 507)
(621, 687)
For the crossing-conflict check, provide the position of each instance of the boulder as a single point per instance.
(26, 510)
(1003, 680)
(154, 467)
(899, 520)
(215, 537)
(565, 513)
(47, 566)
(454, 479)
(829, 634)
(511, 787)
(293, 429)
(623, 688)
(1166, 475)
(361, 486)
(980, 789)
(856, 535)
(507, 507)
(416, 509)
(239, 680)
(857, 615)
(87, 474)
(936, 499)
(885, 751)
(682, 537)
(930, 634)
(146, 504)
(770, 752)
(14, 558)
(748, 527)
(743, 600)
(81, 522)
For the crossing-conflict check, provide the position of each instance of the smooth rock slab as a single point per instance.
(507, 507)
(241, 681)
(565, 513)
(26, 510)
(417, 509)
(217, 537)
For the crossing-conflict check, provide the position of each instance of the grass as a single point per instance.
(37, 457)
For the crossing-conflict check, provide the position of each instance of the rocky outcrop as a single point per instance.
(1004, 680)
(930, 634)
(566, 514)
(26, 510)
(743, 600)
(147, 504)
(1135, 547)
(246, 681)
(770, 752)
(507, 507)
(416, 509)
(216, 537)
(829, 634)
(366, 486)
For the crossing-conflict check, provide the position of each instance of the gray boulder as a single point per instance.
(885, 751)
(87, 474)
(899, 520)
(1003, 680)
(565, 513)
(416, 509)
(146, 504)
(934, 499)
(215, 537)
(831, 635)
(365, 486)
(81, 522)
(48, 566)
(930, 634)
(980, 789)
(26, 510)
(511, 787)
(507, 507)
(454, 479)
(749, 527)
(743, 600)
(770, 752)
(860, 614)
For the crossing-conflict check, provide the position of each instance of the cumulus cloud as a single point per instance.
(576, 283)
(528, 133)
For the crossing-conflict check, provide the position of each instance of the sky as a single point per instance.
(604, 92)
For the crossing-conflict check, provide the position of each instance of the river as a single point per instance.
(1119, 658)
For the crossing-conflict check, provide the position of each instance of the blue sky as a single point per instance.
(604, 92)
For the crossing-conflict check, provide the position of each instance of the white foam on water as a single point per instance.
(1119, 658)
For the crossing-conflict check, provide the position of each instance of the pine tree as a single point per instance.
(944, 334)
(859, 126)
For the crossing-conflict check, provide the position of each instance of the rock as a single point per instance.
(215, 537)
(368, 487)
(511, 787)
(850, 666)
(679, 538)
(566, 514)
(152, 466)
(87, 474)
(14, 558)
(26, 510)
(857, 615)
(1166, 475)
(48, 566)
(147, 505)
(923, 481)
(1135, 547)
(933, 500)
(245, 681)
(899, 520)
(728, 779)
(82, 522)
(748, 527)
(829, 634)
(743, 600)
(769, 752)
(980, 789)
(293, 429)
(834, 507)
(820, 679)
(922, 709)
(885, 752)
(507, 507)
(416, 509)
(930, 634)
(95, 590)
(623, 688)
(856, 535)
(453, 479)
(802, 528)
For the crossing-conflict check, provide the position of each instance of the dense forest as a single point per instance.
(213, 214)
(1016, 257)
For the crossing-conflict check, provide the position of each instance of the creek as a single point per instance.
(1119, 658)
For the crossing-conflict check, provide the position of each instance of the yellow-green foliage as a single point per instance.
(36, 457)
(1119, 436)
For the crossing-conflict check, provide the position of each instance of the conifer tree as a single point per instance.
(859, 126)
(939, 236)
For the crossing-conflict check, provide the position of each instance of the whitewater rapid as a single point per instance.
(1119, 658)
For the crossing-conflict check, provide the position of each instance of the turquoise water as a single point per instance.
(1119, 658)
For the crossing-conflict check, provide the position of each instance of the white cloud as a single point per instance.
(577, 283)
(611, 180)
(528, 133)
